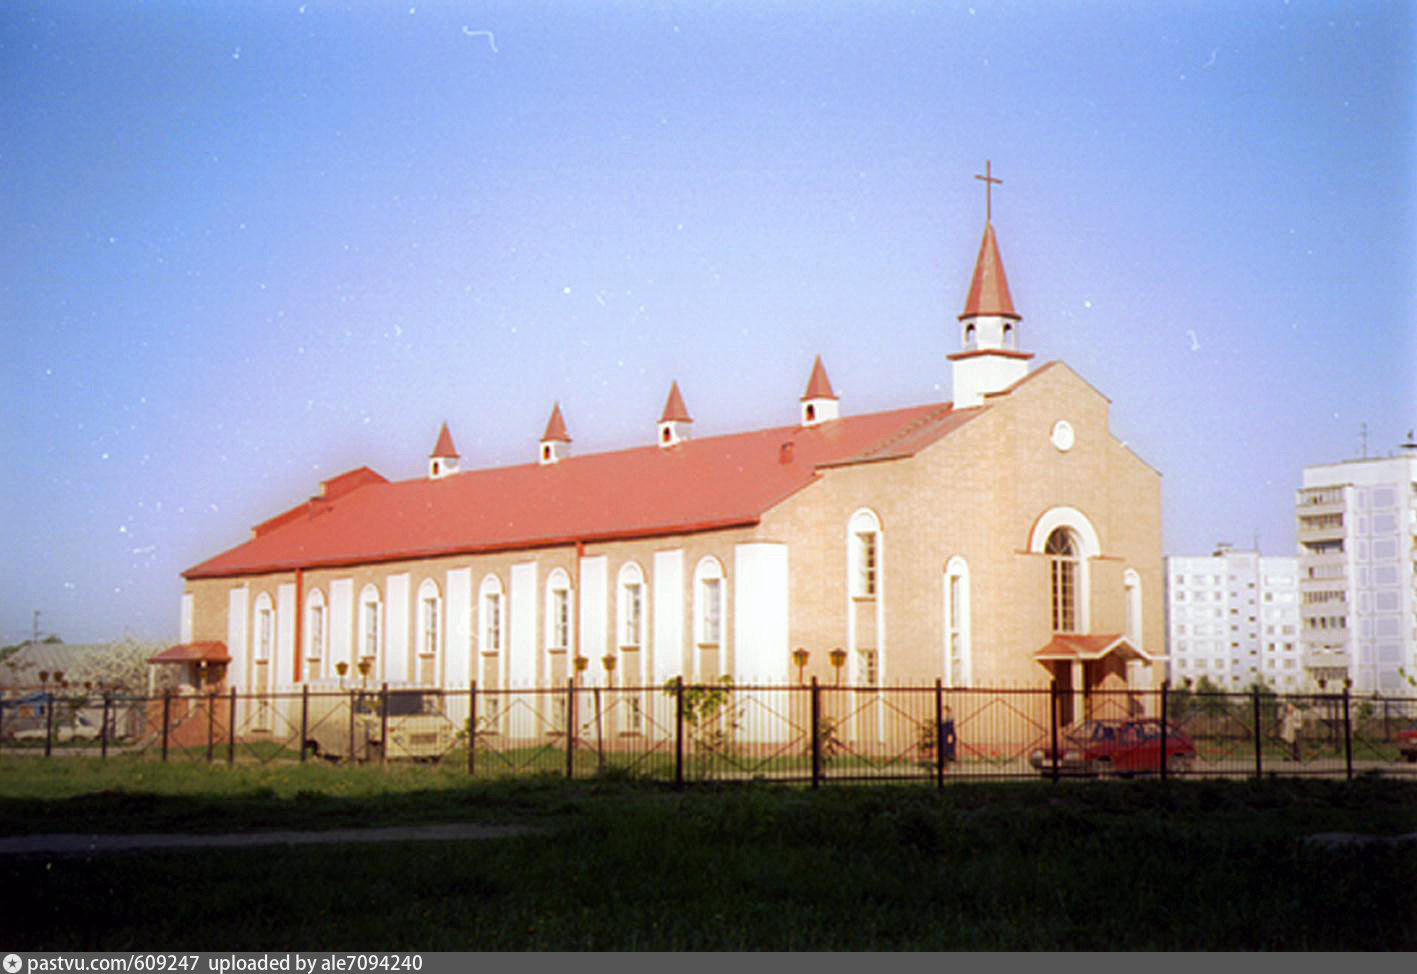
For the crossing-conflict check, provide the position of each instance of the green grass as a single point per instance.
(622, 864)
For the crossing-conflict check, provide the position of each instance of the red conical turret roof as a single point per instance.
(674, 409)
(444, 447)
(989, 291)
(818, 386)
(556, 427)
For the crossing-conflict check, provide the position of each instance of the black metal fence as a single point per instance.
(682, 733)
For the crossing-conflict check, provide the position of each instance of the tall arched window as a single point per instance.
(262, 667)
(1062, 551)
(430, 616)
(371, 630)
(492, 621)
(631, 606)
(958, 662)
(708, 603)
(316, 635)
(864, 555)
(265, 629)
(558, 611)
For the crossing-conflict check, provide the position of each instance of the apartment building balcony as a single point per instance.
(1326, 532)
(1326, 662)
(1321, 500)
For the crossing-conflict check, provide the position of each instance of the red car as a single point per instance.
(1407, 743)
(1123, 747)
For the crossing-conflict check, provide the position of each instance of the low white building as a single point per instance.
(1358, 568)
(1233, 618)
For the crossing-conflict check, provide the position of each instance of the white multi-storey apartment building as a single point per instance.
(1233, 618)
(1358, 569)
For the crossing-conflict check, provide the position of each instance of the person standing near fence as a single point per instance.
(947, 736)
(1291, 720)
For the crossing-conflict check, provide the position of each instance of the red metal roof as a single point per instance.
(193, 653)
(444, 447)
(556, 427)
(989, 290)
(818, 386)
(703, 484)
(1078, 647)
(674, 409)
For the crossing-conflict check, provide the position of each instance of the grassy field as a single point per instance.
(621, 864)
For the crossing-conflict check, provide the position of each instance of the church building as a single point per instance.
(1003, 539)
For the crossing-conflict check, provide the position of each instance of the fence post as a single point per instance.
(816, 734)
(211, 724)
(352, 754)
(1053, 724)
(679, 733)
(304, 719)
(599, 734)
(939, 734)
(167, 708)
(570, 727)
(231, 730)
(472, 728)
(103, 729)
(1259, 734)
(384, 723)
(1165, 732)
(1347, 736)
(48, 724)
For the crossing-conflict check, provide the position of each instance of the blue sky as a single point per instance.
(248, 246)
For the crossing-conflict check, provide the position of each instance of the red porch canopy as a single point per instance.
(211, 652)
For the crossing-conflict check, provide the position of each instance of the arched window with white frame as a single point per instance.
(492, 605)
(958, 662)
(864, 554)
(430, 632)
(1062, 550)
(558, 611)
(371, 633)
(1069, 541)
(630, 606)
(263, 651)
(708, 603)
(317, 634)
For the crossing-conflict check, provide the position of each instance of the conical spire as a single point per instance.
(674, 409)
(675, 422)
(819, 401)
(818, 386)
(444, 458)
(556, 427)
(989, 291)
(555, 442)
(444, 448)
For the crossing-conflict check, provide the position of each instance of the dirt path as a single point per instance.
(77, 844)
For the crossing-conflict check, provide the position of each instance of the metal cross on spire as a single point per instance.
(989, 182)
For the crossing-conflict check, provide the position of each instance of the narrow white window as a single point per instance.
(430, 611)
(558, 611)
(708, 598)
(864, 555)
(370, 630)
(315, 632)
(491, 614)
(957, 645)
(1063, 571)
(631, 606)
